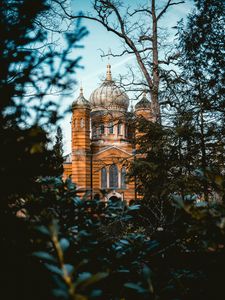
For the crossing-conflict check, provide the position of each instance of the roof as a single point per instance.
(108, 95)
(81, 101)
(144, 103)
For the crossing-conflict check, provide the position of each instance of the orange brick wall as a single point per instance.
(80, 125)
(89, 156)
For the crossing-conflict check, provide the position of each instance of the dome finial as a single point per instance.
(108, 73)
(131, 108)
(144, 94)
(81, 89)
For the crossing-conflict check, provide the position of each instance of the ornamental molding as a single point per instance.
(112, 148)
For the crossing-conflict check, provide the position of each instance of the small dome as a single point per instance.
(81, 101)
(109, 96)
(144, 103)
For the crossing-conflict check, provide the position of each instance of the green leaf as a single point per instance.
(151, 245)
(60, 294)
(92, 279)
(124, 242)
(54, 269)
(77, 201)
(83, 276)
(178, 201)
(69, 268)
(44, 255)
(42, 229)
(134, 207)
(147, 272)
(123, 271)
(136, 287)
(64, 244)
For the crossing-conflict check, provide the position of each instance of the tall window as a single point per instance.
(94, 131)
(126, 131)
(123, 178)
(103, 178)
(111, 127)
(82, 123)
(102, 129)
(119, 128)
(113, 176)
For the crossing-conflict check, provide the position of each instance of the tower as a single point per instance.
(81, 154)
(143, 108)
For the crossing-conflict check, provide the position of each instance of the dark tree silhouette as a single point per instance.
(58, 153)
(31, 70)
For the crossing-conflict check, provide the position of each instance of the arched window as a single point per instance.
(104, 178)
(94, 131)
(119, 128)
(113, 176)
(111, 127)
(123, 178)
(102, 129)
(82, 123)
(126, 131)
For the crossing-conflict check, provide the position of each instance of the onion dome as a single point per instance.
(81, 102)
(144, 103)
(109, 96)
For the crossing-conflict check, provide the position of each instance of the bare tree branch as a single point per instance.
(169, 3)
(123, 52)
(133, 34)
(139, 11)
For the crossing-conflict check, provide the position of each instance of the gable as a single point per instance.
(112, 151)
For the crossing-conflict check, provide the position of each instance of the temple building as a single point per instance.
(103, 141)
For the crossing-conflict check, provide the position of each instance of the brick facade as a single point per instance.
(102, 142)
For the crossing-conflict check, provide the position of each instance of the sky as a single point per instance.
(94, 65)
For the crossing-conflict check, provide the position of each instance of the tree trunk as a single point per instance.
(203, 151)
(155, 71)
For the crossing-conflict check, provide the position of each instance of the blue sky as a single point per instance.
(95, 66)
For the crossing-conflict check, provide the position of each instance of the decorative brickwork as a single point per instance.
(102, 141)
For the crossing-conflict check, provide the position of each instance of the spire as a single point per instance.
(144, 94)
(108, 73)
(81, 91)
(80, 101)
(131, 108)
(144, 103)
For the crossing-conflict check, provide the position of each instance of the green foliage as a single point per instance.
(57, 158)
(54, 244)
(182, 163)
(91, 249)
(91, 241)
(184, 155)
(28, 75)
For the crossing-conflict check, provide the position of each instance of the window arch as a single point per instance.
(82, 123)
(119, 128)
(126, 131)
(113, 176)
(104, 178)
(123, 178)
(102, 129)
(94, 131)
(110, 127)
